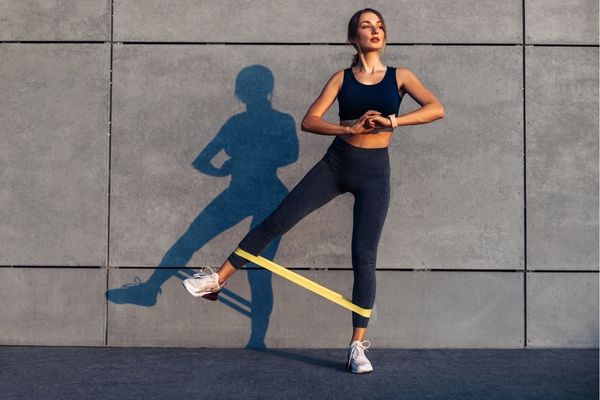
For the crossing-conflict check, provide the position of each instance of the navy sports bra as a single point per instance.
(355, 98)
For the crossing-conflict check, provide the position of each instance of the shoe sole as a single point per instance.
(212, 296)
(354, 371)
(359, 372)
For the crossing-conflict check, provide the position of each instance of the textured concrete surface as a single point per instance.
(562, 158)
(151, 373)
(52, 306)
(55, 20)
(457, 189)
(117, 117)
(266, 21)
(54, 110)
(562, 309)
(560, 22)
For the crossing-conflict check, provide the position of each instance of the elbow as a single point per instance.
(305, 125)
(441, 113)
(435, 111)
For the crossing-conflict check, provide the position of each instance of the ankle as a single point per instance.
(220, 279)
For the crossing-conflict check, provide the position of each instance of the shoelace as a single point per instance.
(359, 348)
(204, 272)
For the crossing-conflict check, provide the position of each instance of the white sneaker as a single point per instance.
(205, 284)
(357, 361)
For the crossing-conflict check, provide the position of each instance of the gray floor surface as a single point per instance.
(37, 372)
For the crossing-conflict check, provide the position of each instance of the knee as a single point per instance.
(236, 261)
(364, 256)
(363, 266)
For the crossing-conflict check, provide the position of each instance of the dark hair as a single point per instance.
(353, 28)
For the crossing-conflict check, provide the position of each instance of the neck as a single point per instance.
(369, 62)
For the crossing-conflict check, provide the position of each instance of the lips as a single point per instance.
(375, 40)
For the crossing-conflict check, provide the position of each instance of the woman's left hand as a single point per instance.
(379, 121)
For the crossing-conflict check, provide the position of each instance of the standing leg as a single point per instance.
(319, 186)
(371, 204)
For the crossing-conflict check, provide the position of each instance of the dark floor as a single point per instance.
(206, 373)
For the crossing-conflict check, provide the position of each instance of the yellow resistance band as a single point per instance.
(304, 282)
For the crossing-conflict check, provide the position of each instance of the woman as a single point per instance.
(357, 161)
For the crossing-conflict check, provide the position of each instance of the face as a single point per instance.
(370, 27)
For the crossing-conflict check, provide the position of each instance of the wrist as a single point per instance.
(393, 121)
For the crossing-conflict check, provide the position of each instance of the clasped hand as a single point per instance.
(370, 122)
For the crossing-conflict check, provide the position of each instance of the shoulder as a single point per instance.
(336, 80)
(338, 77)
(402, 75)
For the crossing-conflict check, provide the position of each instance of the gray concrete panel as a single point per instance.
(457, 187)
(457, 184)
(412, 309)
(55, 20)
(170, 106)
(52, 306)
(562, 158)
(561, 22)
(54, 154)
(562, 309)
(316, 21)
(459, 309)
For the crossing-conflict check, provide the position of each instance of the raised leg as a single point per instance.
(318, 187)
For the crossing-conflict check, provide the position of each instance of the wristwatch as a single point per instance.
(392, 118)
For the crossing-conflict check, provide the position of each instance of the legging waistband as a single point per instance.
(370, 152)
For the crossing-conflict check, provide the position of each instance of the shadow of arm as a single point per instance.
(203, 161)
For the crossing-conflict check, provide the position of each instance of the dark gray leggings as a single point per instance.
(344, 168)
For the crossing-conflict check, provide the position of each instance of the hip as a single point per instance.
(345, 158)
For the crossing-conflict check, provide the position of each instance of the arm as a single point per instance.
(431, 109)
(203, 161)
(313, 119)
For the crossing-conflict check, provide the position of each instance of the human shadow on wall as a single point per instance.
(258, 141)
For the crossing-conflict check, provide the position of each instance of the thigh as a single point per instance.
(318, 187)
(371, 203)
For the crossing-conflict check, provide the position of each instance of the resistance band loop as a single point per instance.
(304, 282)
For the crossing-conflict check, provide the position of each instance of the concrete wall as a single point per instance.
(112, 110)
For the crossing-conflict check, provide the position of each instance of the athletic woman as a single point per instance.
(357, 161)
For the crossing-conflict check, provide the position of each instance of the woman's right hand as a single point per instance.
(364, 124)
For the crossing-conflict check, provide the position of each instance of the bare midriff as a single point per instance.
(369, 140)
